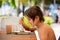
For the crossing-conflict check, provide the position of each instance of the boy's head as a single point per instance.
(34, 14)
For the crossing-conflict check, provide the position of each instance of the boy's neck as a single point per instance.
(40, 24)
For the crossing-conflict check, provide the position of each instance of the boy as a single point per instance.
(35, 18)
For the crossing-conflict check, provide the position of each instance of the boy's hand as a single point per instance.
(21, 21)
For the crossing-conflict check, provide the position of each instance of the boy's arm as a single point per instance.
(52, 35)
(25, 26)
(28, 28)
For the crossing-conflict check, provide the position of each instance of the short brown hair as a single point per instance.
(34, 11)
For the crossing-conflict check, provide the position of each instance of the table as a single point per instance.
(17, 37)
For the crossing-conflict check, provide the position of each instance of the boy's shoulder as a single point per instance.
(48, 27)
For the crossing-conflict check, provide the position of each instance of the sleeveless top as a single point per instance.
(37, 35)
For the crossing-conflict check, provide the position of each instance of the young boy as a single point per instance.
(35, 18)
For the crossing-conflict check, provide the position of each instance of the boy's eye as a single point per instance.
(29, 19)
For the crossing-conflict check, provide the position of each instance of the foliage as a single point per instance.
(12, 3)
(0, 3)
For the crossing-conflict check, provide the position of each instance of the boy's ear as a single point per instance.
(36, 18)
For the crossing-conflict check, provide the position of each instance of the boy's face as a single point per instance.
(31, 20)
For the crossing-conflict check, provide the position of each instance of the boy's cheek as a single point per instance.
(31, 22)
(35, 22)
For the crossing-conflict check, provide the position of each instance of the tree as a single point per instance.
(58, 1)
(0, 3)
(12, 3)
(52, 1)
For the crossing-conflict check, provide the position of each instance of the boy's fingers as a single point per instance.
(21, 20)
